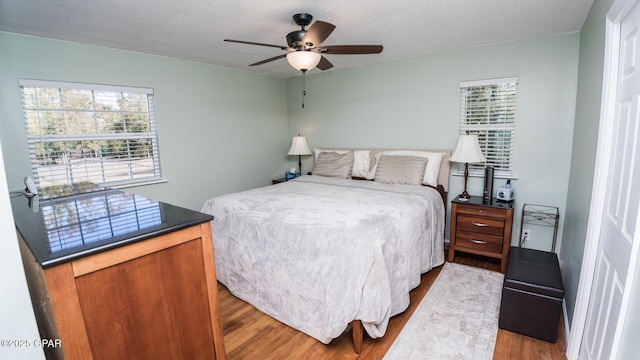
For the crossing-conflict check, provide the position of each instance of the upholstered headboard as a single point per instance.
(443, 177)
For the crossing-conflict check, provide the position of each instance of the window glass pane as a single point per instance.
(134, 102)
(77, 99)
(79, 122)
(136, 122)
(51, 122)
(107, 101)
(106, 122)
(42, 98)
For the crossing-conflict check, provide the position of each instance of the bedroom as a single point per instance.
(240, 124)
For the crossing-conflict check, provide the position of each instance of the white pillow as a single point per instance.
(432, 171)
(361, 161)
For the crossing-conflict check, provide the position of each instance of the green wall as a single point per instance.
(219, 130)
(584, 148)
(415, 103)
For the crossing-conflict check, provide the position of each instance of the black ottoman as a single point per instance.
(532, 294)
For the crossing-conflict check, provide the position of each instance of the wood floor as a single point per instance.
(250, 334)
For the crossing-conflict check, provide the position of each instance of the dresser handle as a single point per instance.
(478, 241)
(479, 224)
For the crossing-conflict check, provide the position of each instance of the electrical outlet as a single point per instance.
(526, 235)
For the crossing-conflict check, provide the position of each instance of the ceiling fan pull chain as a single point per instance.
(304, 91)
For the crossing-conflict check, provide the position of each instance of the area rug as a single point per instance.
(457, 318)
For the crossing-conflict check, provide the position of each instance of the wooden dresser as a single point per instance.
(118, 276)
(483, 229)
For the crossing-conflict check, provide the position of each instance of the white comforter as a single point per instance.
(316, 253)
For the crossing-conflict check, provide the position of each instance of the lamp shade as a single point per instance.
(299, 146)
(303, 60)
(468, 150)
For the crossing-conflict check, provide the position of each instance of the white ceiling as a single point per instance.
(195, 29)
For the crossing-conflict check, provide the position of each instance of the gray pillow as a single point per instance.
(400, 169)
(332, 164)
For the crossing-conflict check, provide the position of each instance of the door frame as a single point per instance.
(618, 11)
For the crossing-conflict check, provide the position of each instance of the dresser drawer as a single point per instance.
(483, 211)
(479, 242)
(483, 225)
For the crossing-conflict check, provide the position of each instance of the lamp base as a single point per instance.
(465, 195)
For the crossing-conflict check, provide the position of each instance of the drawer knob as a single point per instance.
(479, 224)
(478, 241)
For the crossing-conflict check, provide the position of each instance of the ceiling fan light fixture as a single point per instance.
(303, 60)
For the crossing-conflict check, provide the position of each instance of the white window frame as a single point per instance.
(498, 154)
(100, 166)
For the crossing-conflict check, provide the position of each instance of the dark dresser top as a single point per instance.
(477, 200)
(71, 227)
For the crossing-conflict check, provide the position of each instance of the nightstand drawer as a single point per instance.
(484, 225)
(481, 211)
(479, 242)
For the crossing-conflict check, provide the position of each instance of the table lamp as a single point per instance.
(299, 147)
(467, 151)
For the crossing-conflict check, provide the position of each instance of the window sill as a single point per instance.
(152, 182)
(481, 175)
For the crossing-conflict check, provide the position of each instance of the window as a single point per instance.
(88, 133)
(488, 109)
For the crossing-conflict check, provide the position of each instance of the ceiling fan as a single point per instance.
(304, 50)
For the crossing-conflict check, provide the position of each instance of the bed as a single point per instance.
(322, 252)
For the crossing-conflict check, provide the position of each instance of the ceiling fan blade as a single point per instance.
(351, 49)
(317, 33)
(268, 60)
(324, 64)
(256, 43)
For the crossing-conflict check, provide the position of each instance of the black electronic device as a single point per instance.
(487, 193)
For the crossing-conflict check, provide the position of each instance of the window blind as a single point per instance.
(488, 109)
(100, 134)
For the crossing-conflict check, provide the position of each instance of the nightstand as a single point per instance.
(278, 181)
(482, 229)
